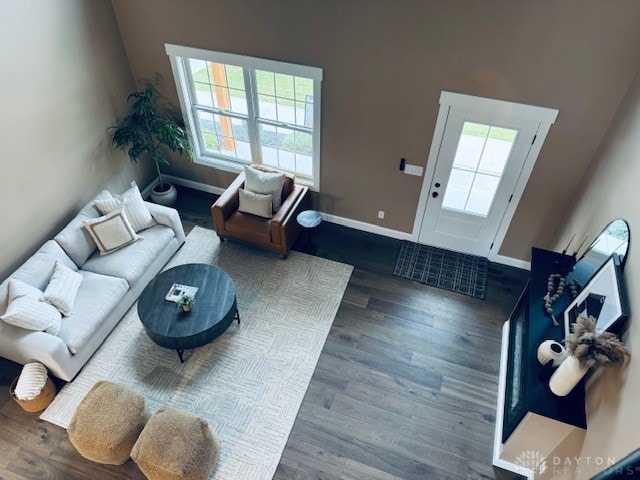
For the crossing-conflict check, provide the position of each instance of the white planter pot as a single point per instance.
(166, 198)
(567, 376)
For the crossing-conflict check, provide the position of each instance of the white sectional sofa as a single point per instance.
(110, 285)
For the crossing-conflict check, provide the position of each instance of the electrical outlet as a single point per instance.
(413, 170)
(381, 214)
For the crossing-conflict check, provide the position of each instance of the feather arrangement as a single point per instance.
(592, 350)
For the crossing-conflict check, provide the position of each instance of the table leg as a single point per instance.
(180, 352)
(308, 246)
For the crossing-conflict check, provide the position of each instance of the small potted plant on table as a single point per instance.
(186, 302)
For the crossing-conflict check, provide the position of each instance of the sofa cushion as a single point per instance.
(97, 296)
(62, 289)
(132, 261)
(37, 270)
(74, 239)
(251, 227)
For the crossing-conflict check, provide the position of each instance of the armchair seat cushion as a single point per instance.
(258, 229)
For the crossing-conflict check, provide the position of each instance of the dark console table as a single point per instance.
(529, 416)
(214, 309)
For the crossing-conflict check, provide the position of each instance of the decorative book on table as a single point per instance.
(177, 290)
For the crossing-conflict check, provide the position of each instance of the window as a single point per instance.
(241, 110)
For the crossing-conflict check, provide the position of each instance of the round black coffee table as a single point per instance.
(212, 313)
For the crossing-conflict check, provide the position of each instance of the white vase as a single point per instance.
(551, 351)
(567, 376)
(166, 198)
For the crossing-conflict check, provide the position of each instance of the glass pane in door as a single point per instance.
(481, 157)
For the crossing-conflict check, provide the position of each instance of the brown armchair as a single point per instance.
(276, 234)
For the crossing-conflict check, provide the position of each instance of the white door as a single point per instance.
(481, 156)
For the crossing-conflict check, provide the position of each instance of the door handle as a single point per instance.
(435, 194)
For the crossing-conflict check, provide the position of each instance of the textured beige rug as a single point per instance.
(249, 383)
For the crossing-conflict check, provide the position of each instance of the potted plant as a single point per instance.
(150, 130)
(186, 302)
(586, 350)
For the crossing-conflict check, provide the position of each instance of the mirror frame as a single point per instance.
(622, 260)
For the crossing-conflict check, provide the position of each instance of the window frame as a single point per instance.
(179, 56)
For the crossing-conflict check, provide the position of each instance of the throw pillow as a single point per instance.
(27, 311)
(255, 203)
(132, 205)
(62, 289)
(17, 288)
(75, 240)
(111, 232)
(270, 183)
(31, 381)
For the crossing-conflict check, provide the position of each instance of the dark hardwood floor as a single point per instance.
(405, 387)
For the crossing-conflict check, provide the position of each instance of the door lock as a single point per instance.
(435, 194)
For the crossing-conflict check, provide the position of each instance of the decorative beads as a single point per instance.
(550, 299)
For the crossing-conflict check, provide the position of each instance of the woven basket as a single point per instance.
(39, 403)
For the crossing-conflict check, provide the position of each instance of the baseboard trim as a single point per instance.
(511, 262)
(146, 192)
(366, 227)
(183, 182)
(328, 217)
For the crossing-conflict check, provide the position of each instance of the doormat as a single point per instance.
(453, 271)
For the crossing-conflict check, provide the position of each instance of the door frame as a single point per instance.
(545, 116)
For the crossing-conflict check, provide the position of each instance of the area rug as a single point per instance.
(444, 269)
(250, 382)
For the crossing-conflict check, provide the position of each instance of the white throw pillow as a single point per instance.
(30, 313)
(111, 232)
(255, 203)
(270, 183)
(62, 289)
(31, 381)
(132, 205)
(17, 288)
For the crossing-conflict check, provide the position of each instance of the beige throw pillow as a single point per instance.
(111, 232)
(255, 203)
(270, 183)
(62, 289)
(132, 205)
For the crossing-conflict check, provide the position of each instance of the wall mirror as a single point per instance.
(614, 238)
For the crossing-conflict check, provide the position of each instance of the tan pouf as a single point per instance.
(107, 423)
(176, 445)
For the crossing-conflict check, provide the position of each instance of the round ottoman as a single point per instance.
(107, 423)
(176, 445)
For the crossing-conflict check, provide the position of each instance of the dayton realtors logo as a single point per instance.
(559, 467)
(531, 460)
